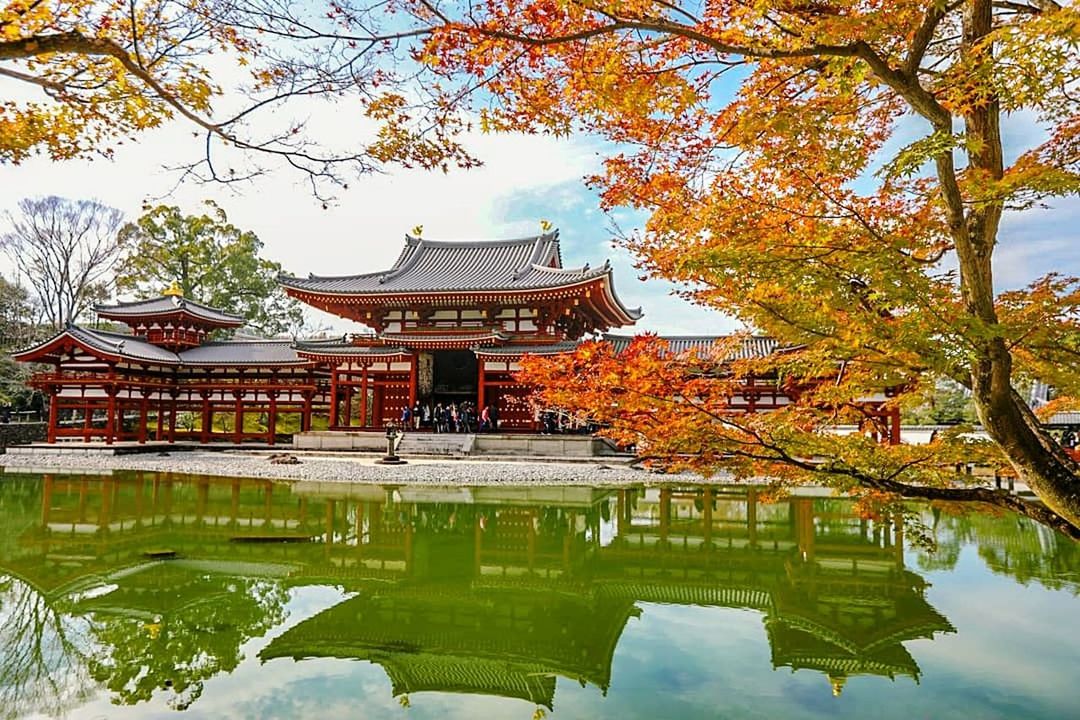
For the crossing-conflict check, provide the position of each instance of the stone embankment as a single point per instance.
(347, 468)
(21, 433)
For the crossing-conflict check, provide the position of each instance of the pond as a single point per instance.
(160, 595)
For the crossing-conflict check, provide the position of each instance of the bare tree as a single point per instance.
(65, 251)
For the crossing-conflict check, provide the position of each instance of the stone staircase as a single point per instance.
(451, 444)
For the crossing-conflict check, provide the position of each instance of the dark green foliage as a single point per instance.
(212, 261)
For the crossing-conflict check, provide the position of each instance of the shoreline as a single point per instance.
(353, 468)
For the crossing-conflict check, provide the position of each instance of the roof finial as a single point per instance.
(418, 231)
(175, 290)
(545, 226)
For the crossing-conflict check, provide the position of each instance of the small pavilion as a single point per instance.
(169, 366)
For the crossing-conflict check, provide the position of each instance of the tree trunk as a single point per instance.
(1037, 459)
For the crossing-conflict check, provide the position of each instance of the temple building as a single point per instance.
(448, 322)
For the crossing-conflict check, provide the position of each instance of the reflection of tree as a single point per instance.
(181, 647)
(43, 653)
(1009, 545)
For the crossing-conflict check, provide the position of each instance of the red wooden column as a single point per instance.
(207, 418)
(172, 419)
(144, 415)
(271, 422)
(894, 426)
(160, 434)
(333, 397)
(413, 378)
(238, 423)
(110, 416)
(53, 413)
(363, 396)
(480, 382)
(305, 414)
(110, 422)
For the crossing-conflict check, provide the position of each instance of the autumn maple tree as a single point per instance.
(81, 77)
(833, 175)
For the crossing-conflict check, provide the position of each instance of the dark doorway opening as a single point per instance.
(455, 376)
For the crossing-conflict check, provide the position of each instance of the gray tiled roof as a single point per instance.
(167, 304)
(344, 346)
(521, 349)
(135, 348)
(245, 352)
(753, 346)
(123, 345)
(114, 344)
(1063, 418)
(434, 265)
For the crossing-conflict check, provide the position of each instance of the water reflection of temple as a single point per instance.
(480, 590)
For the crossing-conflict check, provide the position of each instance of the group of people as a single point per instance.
(451, 418)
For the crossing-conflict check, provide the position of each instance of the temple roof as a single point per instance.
(529, 263)
(168, 305)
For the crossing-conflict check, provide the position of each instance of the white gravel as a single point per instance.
(349, 468)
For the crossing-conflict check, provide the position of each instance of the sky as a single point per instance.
(524, 180)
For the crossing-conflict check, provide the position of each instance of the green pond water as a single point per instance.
(142, 595)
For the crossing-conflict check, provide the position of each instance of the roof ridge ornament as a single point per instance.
(174, 290)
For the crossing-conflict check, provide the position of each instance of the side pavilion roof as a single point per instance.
(167, 305)
(117, 347)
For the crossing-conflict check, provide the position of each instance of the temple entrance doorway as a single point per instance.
(455, 377)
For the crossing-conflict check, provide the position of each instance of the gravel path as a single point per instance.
(348, 468)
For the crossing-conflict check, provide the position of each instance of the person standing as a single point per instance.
(416, 415)
(494, 415)
(485, 419)
(406, 416)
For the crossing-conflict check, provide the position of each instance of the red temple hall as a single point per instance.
(449, 322)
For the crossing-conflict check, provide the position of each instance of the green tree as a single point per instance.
(213, 262)
(947, 404)
(19, 327)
